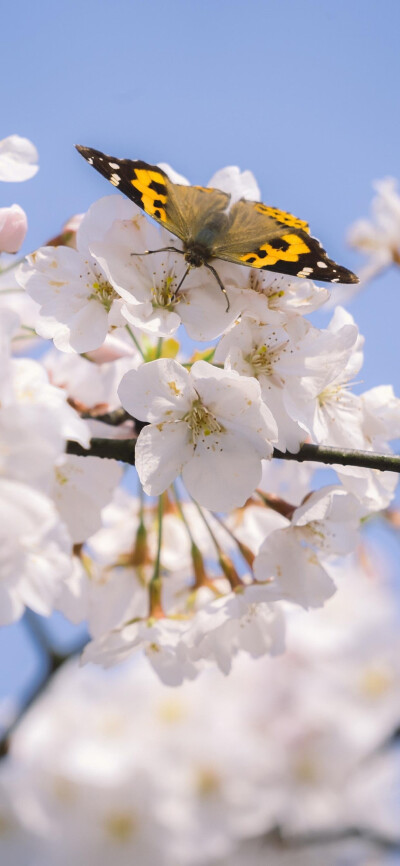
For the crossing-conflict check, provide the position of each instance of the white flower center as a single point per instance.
(103, 292)
(164, 292)
(333, 393)
(201, 421)
(262, 358)
(272, 292)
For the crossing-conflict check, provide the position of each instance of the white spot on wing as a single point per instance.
(322, 265)
(113, 164)
(305, 272)
(115, 179)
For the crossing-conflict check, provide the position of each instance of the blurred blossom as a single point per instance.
(18, 159)
(13, 228)
(118, 768)
(379, 238)
(67, 236)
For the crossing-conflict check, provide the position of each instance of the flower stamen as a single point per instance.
(201, 421)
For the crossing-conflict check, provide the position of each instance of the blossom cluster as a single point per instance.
(206, 573)
(115, 767)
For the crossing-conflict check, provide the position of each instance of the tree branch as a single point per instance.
(124, 450)
(343, 457)
(111, 449)
(51, 661)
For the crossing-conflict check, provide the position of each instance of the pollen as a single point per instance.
(164, 292)
(375, 682)
(174, 388)
(201, 421)
(103, 291)
(263, 357)
(121, 826)
(208, 781)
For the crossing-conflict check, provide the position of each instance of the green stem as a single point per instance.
(182, 514)
(159, 348)
(207, 525)
(155, 586)
(136, 342)
(156, 573)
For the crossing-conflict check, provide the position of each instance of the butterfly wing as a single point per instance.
(184, 210)
(251, 234)
(264, 237)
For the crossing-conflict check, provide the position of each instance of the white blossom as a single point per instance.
(78, 305)
(82, 487)
(379, 237)
(209, 424)
(35, 551)
(292, 560)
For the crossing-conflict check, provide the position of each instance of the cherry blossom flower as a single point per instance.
(203, 773)
(18, 159)
(239, 621)
(161, 641)
(13, 228)
(13, 297)
(110, 584)
(275, 356)
(292, 560)
(82, 487)
(150, 286)
(35, 551)
(78, 304)
(380, 237)
(209, 424)
(322, 400)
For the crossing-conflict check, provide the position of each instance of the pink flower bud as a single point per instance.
(13, 226)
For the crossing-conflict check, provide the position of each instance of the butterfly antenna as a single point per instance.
(220, 283)
(162, 250)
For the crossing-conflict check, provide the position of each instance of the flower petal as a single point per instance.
(161, 452)
(159, 391)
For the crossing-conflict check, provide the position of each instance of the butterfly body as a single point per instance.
(211, 228)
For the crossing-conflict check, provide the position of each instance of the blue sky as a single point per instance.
(305, 94)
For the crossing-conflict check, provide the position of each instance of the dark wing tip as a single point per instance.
(85, 151)
(346, 276)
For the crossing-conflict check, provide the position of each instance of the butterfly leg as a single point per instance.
(220, 283)
(183, 278)
(162, 250)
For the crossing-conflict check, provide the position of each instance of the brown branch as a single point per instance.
(110, 449)
(51, 662)
(124, 450)
(343, 457)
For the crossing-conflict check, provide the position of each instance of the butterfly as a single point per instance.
(247, 233)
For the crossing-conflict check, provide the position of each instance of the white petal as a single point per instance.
(159, 391)
(239, 184)
(223, 471)
(295, 572)
(161, 452)
(83, 486)
(100, 217)
(172, 174)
